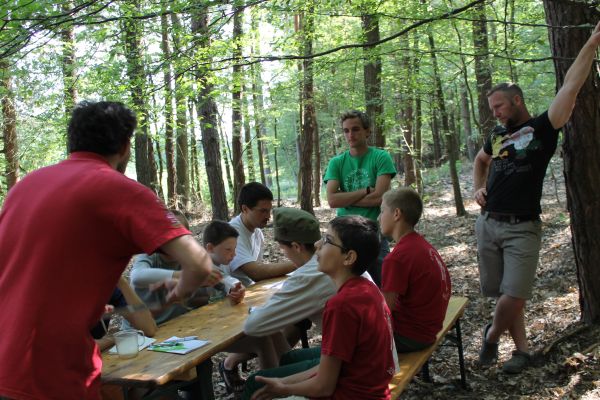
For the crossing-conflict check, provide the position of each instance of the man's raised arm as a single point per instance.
(562, 106)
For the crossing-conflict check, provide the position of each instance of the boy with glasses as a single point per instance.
(357, 353)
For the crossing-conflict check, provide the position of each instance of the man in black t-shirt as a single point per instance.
(508, 176)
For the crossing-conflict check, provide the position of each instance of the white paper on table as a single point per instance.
(147, 342)
(182, 346)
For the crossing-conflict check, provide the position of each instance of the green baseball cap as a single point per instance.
(295, 225)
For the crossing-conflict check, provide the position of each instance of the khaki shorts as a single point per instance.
(508, 256)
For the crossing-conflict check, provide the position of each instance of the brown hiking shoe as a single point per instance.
(518, 362)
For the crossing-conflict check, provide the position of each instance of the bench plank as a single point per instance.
(411, 363)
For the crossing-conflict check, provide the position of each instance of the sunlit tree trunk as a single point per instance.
(451, 145)
(168, 111)
(483, 73)
(182, 154)
(195, 177)
(372, 75)
(581, 146)
(248, 142)
(309, 122)
(145, 165)
(9, 126)
(418, 144)
(276, 164)
(207, 115)
(239, 177)
(68, 64)
(405, 114)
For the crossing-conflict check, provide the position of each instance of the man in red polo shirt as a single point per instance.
(67, 232)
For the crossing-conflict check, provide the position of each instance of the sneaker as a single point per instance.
(488, 354)
(518, 362)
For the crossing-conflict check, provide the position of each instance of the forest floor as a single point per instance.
(566, 352)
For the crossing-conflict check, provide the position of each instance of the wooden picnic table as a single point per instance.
(221, 323)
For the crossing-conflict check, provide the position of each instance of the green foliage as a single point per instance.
(32, 36)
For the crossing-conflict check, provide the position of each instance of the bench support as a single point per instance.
(200, 388)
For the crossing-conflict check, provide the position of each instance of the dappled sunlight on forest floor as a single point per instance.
(566, 353)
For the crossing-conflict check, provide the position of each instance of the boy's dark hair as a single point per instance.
(310, 247)
(218, 231)
(364, 118)
(509, 88)
(181, 217)
(102, 127)
(253, 192)
(408, 201)
(361, 235)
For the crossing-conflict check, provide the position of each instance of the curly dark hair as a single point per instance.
(102, 127)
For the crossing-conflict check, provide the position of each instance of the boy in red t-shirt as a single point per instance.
(357, 360)
(415, 283)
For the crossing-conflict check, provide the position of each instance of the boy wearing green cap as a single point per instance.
(356, 359)
(303, 295)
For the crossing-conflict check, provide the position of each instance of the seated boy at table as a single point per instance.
(415, 280)
(148, 271)
(302, 295)
(220, 240)
(357, 360)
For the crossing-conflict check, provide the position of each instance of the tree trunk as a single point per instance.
(581, 147)
(9, 126)
(418, 145)
(226, 151)
(239, 178)
(308, 113)
(372, 77)
(276, 164)
(207, 115)
(472, 147)
(405, 111)
(483, 73)
(317, 165)
(248, 142)
(195, 179)
(450, 137)
(258, 106)
(145, 164)
(168, 112)
(68, 64)
(435, 134)
(182, 154)
(260, 127)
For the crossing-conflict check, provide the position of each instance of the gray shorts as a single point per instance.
(508, 256)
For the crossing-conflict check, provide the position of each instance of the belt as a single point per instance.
(510, 218)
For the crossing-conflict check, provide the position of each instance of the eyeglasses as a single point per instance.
(327, 240)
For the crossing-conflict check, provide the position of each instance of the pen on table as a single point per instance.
(177, 341)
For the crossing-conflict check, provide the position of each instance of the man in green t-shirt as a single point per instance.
(357, 178)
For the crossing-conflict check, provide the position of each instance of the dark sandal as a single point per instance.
(231, 377)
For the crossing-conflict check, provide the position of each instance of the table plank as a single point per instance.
(220, 322)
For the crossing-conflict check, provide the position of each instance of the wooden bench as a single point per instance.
(412, 363)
